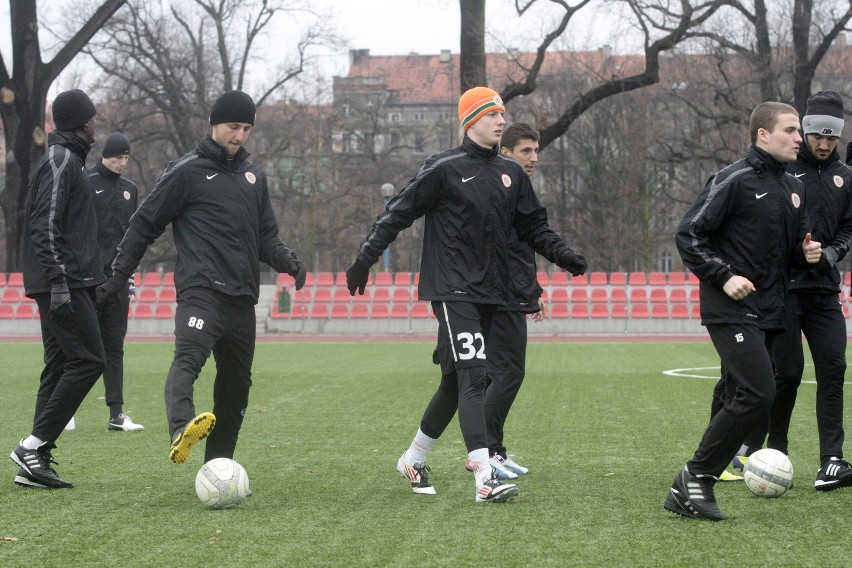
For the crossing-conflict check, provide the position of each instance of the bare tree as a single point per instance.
(23, 92)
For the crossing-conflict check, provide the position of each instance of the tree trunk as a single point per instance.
(472, 72)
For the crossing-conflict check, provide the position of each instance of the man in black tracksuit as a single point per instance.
(740, 238)
(116, 198)
(218, 204)
(813, 307)
(471, 197)
(62, 266)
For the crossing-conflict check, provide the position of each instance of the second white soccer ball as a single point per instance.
(768, 473)
(221, 483)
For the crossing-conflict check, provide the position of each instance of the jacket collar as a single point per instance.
(106, 172)
(209, 149)
(474, 150)
(71, 141)
(760, 160)
(807, 156)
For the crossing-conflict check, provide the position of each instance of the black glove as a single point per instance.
(826, 261)
(357, 276)
(61, 309)
(299, 273)
(573, 263)
(106, 291)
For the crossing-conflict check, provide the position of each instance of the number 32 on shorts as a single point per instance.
(467, 344)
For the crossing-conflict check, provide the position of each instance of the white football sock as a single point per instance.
(419, 449)
(32, 443)
(481, 465)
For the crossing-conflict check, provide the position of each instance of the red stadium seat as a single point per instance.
(168, 279)
(152, 279)
(677, 296)
(168, 295)
(421, 310)
(402, 279)
(15, 279)
(692, 279)
(341, 295)
(680, 311)
(581, 280)
(143, 311)
(163, 311)
(638, 295)
(399, 311)
(660, 311)
(303, 295)
(659, 296)
(384, 279)
(694, 295)
(322, 295)
(285, 280)
(25, 311)
(598, 279)
(325, 279)
(559, 311)
(618, 279)
(543, 279)
(599, 296)
(319, 311)
(559, 295)
(677, 278)
(401, 295)
(340, 311)
(146, 295)
(657, 278)
(579, 311)
(379, 311)
(618, 294)
(309, 279)
(639, 311)
(381, 295)
(6, 311)
(600, 311)
(559, 279)
(2, 278)
(618, 310)
(637, 279)
(695, 311)
(11, 296)
(579, 295)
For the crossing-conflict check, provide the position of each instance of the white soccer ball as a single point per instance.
(221, 484)
(768, 473)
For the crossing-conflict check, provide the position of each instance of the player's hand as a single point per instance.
(298, 272)
(539, 316)
(573, 263)
(812, 250)
(106, 291)
(131, 290)
(738, 287)
(357, 276)
(61, 309)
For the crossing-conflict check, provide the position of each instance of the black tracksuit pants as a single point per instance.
(820, 318)
(112, 318)
(73, 362)
(464, 330)
(507, 352)
(209, 322)
(746, 355)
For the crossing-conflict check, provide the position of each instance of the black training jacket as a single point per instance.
(525, 289)
(749, 221)
(828, 189)
(61, 228)
(222, 221)
(471, 197)
(116, 198)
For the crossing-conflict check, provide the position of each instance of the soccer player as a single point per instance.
(472, 197)
(508, 347)
(812, 304)
(740, 238)
(116, 198)
(217, 202)
(62, 266)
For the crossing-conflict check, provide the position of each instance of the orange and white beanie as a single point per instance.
(476, 103)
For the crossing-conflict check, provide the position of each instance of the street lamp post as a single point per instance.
(387, 190)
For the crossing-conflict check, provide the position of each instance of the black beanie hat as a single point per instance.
(233, 106)
(824, 114)
(72, 109)
(116, 144)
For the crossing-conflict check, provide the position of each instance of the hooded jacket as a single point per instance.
(749, 221)
(471, 197)
(61, 227)
(222, 221)
(828, 189)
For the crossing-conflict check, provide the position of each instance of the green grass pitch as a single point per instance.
(601, 427)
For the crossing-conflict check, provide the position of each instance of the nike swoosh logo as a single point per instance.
(465, 180)
(211, 177)
(758, 196)
(100, 191)
(797, 176)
